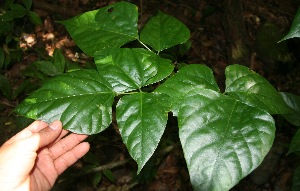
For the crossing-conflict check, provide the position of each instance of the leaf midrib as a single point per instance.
(68, 97)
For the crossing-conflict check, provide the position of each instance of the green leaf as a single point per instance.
(223, 139)
(296, 179)
(34, 18)
(59, 60)
(27, 4)
(126, 69)
(295, 28)
(295, 143)
(17, 7)
(25, 87)
(47, 68)
(111, 26)
(142, 119)
(8, 3)
(5, 27)
(96, 179)
(252, 89)
(266, 44)
(13, 14)
(164, 31)
(186, 79)
(109, 175)
(82, 100)
(293, 101)
(2, 58)
(164, 69)
(5, 87)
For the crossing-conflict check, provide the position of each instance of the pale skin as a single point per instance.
(36, 156)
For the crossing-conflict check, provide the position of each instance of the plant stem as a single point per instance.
(145, 45)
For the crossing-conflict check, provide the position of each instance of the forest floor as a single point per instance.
(262, 24)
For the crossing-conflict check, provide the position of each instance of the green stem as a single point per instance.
(145, 45)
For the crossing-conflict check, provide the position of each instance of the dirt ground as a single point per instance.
(218, 30)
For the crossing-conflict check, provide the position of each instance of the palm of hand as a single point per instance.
(53, 160)
(33, 159)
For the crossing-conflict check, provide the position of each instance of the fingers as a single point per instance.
(62, 134)
(49, 134)
(66, 144)
(36, 126)
(70, 157)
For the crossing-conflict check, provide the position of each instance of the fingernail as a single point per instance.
(54, 126)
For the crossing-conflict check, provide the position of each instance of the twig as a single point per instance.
(7, 104)
(106, 167)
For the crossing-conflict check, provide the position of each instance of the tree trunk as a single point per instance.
(238, 39)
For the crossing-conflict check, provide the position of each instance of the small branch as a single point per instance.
(7, 104)
(106, 167)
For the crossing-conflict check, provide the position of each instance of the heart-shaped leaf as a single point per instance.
(126, 69)
(110, 26)
(164, 31)
(82, 100)
(186, 79)
(252, 89)
(222, 138)
(142, 118)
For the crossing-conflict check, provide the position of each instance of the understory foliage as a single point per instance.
(293, 101)
(224, 135)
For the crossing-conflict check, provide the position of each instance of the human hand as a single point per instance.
(33, 158)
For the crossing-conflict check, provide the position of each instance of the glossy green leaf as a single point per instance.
(293, 101)
(126, 69)
(295, 28)
(186, 79)
(295, 143)
(142, 118)
(223, 139)
(164, 31)
(59, 60)
(164, 69)
(82, 100)
(111, 26)
(252, 89)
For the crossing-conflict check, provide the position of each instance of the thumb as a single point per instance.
(49, 134)
(26, 148)
(34, 141)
